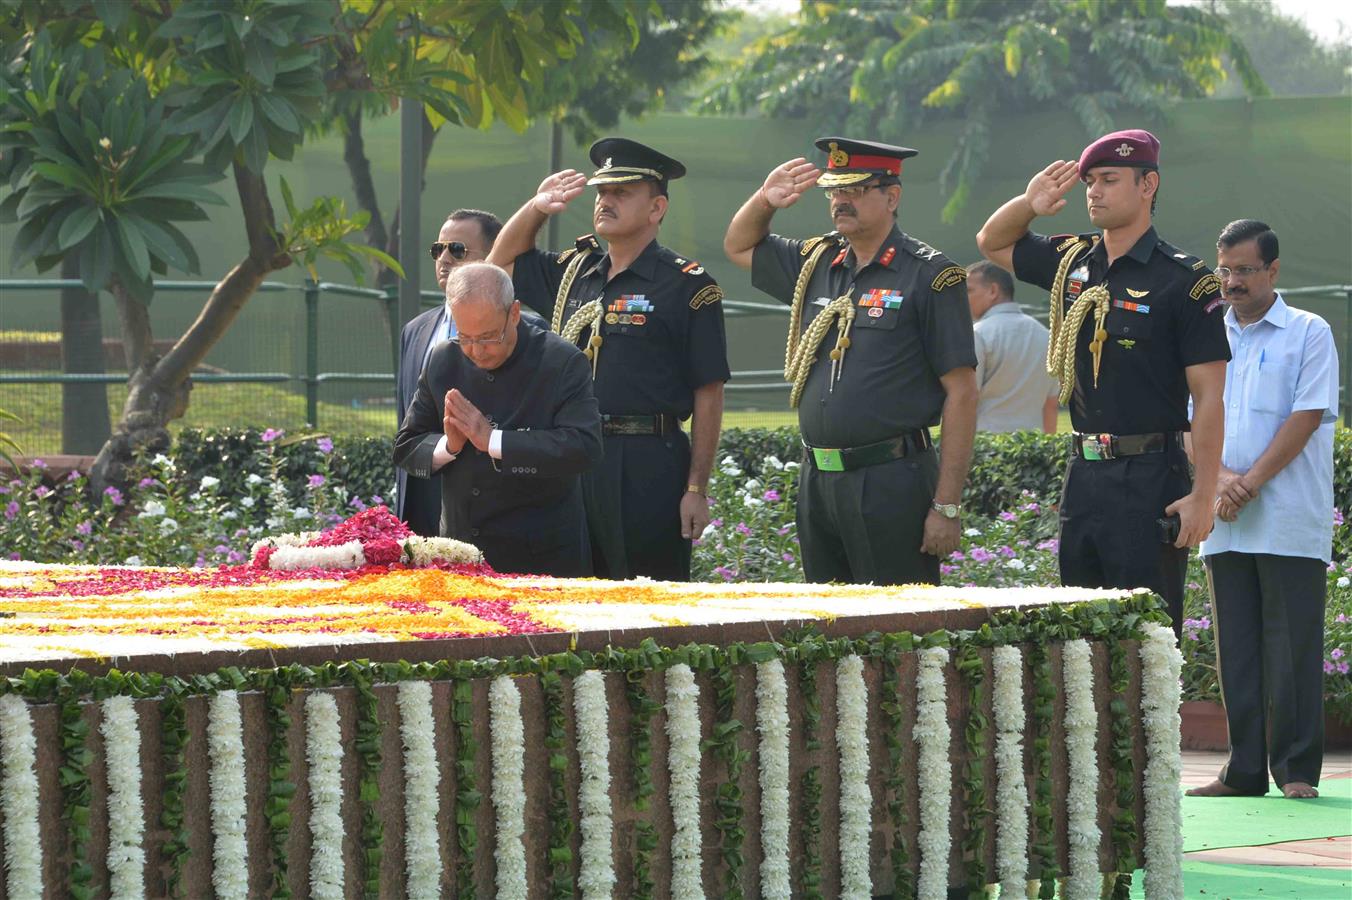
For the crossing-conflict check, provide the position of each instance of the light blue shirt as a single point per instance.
(445, 331)
(1283, 363)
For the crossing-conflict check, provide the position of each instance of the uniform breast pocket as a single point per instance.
(1126, 329)
(876, 318)
(1274, 388)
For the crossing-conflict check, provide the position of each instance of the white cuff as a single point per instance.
(441, 455)
(495, 443)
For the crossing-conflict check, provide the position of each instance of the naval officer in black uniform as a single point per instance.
(1137, 326)
(880, 348)
(651, 324)
(505, 414)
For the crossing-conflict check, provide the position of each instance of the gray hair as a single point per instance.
(480, 282)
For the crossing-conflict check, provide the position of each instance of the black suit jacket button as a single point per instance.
(475, 492)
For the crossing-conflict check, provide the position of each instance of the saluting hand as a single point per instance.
(455, 438)
(786, 183)
(558, 190)
(1046, 193)
(466, 417)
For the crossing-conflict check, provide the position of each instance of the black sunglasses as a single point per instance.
(458, 250)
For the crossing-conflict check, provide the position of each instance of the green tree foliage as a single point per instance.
(1292, 61)
(888, 68)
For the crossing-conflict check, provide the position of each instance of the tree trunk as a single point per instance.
(429, 136)
(359, 168)
(84, 407)
(158, 388)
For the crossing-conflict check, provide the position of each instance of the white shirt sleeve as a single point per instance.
(441, 455)
(495, 443)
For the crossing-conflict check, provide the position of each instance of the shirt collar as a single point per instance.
(1278, 315)
(1004, 308)
(1140, 251)
(644, 266)
(890, 250)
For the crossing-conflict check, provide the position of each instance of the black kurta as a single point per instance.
(525, 510)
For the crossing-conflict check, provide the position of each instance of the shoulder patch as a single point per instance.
(814, 241)
(948, 277)
(711, 293)
(587, 243)
(692, 268)
(1207, 284)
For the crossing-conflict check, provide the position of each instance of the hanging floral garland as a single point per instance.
(856, 801)
(19, 799)
(1081, 722)
(324, 754)
(772, 721)
(596, 878)
(1161, 666)
(225, 747)
(422, 843)
(509, 792)
(126, 815)
(1011, 788)
(683, 757)
(933, 734)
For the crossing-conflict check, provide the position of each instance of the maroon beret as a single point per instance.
(1133, 147)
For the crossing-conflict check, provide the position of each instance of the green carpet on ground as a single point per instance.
(1213, 822)
(1218, 881)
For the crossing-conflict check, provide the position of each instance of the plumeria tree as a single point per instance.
(117, 117)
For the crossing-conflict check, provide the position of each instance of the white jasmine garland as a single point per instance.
(1011, 788)
(422, 844)
(596, 875)
(225, 747)
(338, 556)
(772, 720)
(1161, 664)
(19, 799)
(423, 551)
(126, 814)
(683, 757)
(324, 753)
(933, 734)
(509, 792)
(1082, 829)
(856, 801)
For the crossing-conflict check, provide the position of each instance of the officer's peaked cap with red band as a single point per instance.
(1134, 147)
(852, 162)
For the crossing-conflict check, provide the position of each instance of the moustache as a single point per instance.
(844, 209)
(600, 213)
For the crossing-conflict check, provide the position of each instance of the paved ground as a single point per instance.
(1200, 767)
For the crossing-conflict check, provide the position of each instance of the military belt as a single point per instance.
(1114, 446)
(659, 424)
(843, 459)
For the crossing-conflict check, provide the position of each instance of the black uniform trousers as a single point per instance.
(866, 525)
(633, 501)
(1269, 613)
(1110, 534)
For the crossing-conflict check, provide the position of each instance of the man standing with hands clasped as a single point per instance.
(1136, 327)
(875, 503)
(1266, 561)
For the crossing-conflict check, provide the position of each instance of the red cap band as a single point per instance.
(860, 161)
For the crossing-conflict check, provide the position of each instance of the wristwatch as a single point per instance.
(949, 510)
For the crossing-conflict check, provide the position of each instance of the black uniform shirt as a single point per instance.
(890, 380)
(662, 329)
(1166, 315)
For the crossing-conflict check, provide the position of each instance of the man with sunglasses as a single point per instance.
(880, 349)
(504, 413)
(466, 236)
(651, 323)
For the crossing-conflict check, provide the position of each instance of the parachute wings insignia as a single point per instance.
(710, 293)
(949, 277)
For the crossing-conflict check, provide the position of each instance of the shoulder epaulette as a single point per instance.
(814, 241)
(688, 266)
(587, 243)
(1180, 257)
(563, 257)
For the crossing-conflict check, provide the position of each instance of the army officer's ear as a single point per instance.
(658, 210)
(893, 192)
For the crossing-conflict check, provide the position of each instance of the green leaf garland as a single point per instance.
(560, 859)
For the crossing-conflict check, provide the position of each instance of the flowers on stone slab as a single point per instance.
(1081, 721)
(225, 747)
(324, 754)
(1011, 788)
(509, 791)
(126, 813)
(19, 799)
(373, 536)
(772, 721)
(422, 843)
(683, 757)
(933, 734)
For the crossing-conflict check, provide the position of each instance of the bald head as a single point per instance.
(479, 283)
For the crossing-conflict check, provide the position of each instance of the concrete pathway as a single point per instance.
(1199, 767)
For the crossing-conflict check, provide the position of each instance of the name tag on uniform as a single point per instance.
(822, 301)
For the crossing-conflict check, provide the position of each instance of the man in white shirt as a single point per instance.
(1267, 557)
(1011, 356)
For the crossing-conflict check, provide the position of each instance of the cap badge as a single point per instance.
(838, 157)
(607, 163)
(1125, 149)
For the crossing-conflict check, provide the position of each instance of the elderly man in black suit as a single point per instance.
(505, 415)
(466, 236)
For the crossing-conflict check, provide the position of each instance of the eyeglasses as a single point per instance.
(853, 192)
(484, 342)
(458, 250)
(1240, 271)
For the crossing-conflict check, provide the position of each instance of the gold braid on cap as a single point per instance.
(586, 317)
(561, 298)
(1065, 325)
(803, 354)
